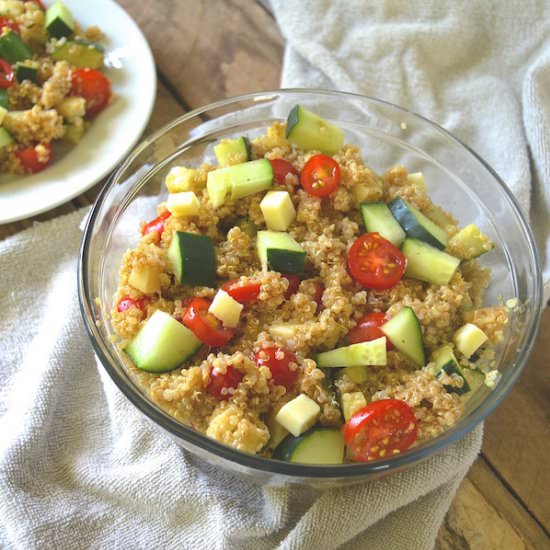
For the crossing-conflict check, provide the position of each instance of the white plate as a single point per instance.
(112, 134)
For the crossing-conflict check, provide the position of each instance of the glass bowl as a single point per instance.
(457, 178)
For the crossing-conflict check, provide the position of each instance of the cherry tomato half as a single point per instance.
(94, 87)
(33, 161)
(6, 74)
(320, 176)
(277, 360)
(243, 293)
(380, 430)
(281, 169)
(376, 263)
(205, 326)
(293, 284)
(368, 328)
(6, 23)
(126, 303)
(220, 385)
(156, 225)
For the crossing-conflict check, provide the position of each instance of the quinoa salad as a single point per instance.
(51, 85)
(290, 302)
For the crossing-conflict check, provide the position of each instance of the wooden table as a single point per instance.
(230, 47)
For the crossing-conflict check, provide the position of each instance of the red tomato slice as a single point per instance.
(94, 87)
(293, 284)
(368, 328)
(31, 160)
(126, 303)
(243, 293)
(6, 73)
(220, 385)
(281, 169)
(205, 326)
(376, 263)
(380, 430)
(156, 225)
(320, 176)
(6, 23)
(277, 360)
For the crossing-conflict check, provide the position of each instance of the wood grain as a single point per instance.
(225, 47)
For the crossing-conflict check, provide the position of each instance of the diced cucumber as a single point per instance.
(80, 53)
(318, 446)
(426, 263)
(4, 98)
(232, 151)
(73, 133)
(226, 309)
(309, 131)
(474, 379)
(192, 259)
(162, 344)
(445, 361)
(405, 333)
(26, 70)
(59, 20)
(469, 243)
(416, 224)
(279, 251)
(355, 355)
(378, 217)
(298, 415)
(5, 138)
(247, 226)
(278, 210)
(352, 402)
(239, 180)
(468, 339)
(12, 47)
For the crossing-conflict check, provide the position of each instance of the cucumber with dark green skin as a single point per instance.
(193, 259)
(162, 344)
(372, 352)
(427, 263)
(311, 132)
(59, 20)
(12, 48)
(445, 361)
(417, 225)
(26, 70)
(4, 102)
(80, 53)
(378, 217)
(280, 252)
(228, 149)
(316, 446)
(404, 332)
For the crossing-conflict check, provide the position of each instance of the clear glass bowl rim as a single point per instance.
(270, 466)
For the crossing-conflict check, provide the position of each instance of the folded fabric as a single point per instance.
(480, 69)
(81, 468)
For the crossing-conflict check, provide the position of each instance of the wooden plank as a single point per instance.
(517, 442)
(224, 47)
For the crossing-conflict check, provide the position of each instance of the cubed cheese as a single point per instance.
(278, 210)
(72, 107)
(183, 204)
(145, 278)
(180, 178)
(417, 179)
(357, 374)
(226, 309)
(352, 402)
(298, 415)
(468, 339)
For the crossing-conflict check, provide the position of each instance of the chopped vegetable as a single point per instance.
(204, 325)
(298, 415)
(320, 176)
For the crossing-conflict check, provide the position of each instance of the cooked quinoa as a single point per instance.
(47, 103)
(325, 228)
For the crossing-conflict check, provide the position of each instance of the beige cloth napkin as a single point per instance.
(80, 468)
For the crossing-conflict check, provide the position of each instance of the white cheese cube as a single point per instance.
(183, 204)
(278, 210)
(468, 339)
(72, 107)
(144, 278)
(352, 402)
(180, 178)
(226, 309)
(298, 415)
